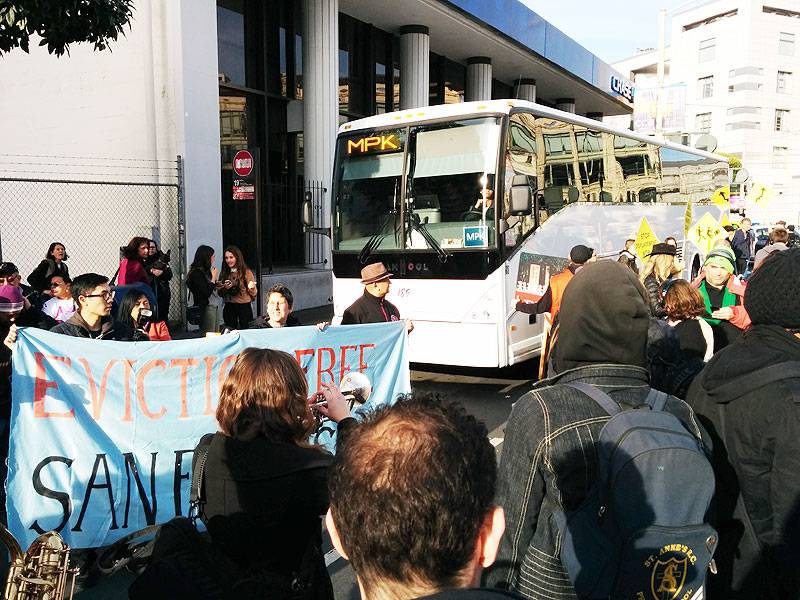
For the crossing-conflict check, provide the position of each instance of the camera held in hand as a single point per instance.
(144, 319)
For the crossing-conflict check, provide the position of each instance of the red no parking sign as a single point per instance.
(244, 187)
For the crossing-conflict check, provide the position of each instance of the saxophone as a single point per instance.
(41, 573)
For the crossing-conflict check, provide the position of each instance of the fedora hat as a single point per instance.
(662, 248)
(374, 272)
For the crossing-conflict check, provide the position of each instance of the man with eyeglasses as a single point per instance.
(93, 318)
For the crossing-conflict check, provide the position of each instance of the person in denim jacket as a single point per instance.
(548, 461)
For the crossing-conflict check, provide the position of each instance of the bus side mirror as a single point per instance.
(521, 196)
(307, 210)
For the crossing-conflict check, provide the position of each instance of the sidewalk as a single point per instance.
(308, 316)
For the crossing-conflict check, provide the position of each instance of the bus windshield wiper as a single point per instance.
(419, 226)
(374, 241)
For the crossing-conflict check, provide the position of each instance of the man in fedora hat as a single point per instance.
(372, 306)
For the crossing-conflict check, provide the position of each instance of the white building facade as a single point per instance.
(732, 71)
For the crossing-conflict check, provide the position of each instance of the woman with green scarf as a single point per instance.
(723, 295)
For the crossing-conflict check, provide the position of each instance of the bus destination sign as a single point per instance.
(374, 144)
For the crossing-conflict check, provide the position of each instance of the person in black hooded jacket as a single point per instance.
(748, 396)
(549, 459)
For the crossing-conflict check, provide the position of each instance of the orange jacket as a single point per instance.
(558, 283)
(158, 332)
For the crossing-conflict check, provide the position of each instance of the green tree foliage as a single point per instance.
(60, 23)
(734, 161)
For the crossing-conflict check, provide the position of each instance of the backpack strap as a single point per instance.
(604, 400)
(656, 400)
(196, 493)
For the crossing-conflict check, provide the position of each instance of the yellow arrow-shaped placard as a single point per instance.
(721, 197)
(645, 239)
(705, 232)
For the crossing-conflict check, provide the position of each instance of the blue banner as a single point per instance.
(102, 432)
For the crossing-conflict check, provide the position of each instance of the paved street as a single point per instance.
(486, 393)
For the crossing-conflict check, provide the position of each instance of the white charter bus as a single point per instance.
(472, 206)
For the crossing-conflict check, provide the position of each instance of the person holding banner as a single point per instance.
(265, 486)
(279, 310)
(372, 306)
(11, 303)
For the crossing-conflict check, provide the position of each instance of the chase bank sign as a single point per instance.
(623, 87)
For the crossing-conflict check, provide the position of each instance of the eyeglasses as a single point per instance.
(9, 278)
(55, 285)
(104, 295)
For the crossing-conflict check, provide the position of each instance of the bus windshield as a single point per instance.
(447, 173)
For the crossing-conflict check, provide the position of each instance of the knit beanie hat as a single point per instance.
(773, 291)
(580, 254)
(722, 257)
(11, 299)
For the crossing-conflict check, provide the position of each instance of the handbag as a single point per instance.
(194, 314)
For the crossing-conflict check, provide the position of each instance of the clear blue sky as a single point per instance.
(610, 29)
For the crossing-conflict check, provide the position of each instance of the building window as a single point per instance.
(745, 86)
(455, 77)
(781, 119)
(706, 51)
(786, 44)
(705, 87)
(353, 68)
(702, 122)
(779, 155)
(380, 88)
(743, 125)
(230, 42)
(435, 79)
(784, 79)
(738, 110)
(746, 71)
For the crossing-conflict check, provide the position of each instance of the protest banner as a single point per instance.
(103, 432)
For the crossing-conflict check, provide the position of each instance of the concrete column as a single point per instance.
(525, 89)
(566, 104)
(414, 66)
(320, 95)
(479, 79)
(597, 116)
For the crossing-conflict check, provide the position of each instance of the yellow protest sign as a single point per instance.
(705, 232)
(687, 218)
(721, 196)
(760, 195)
(645, 239)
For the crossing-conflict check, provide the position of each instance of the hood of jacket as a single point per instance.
(728, 375)
(604, 318)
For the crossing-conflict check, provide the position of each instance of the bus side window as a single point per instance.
(518, 226)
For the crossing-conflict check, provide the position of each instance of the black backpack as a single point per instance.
(643, 530)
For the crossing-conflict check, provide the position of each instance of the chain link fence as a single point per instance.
(93, 206)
